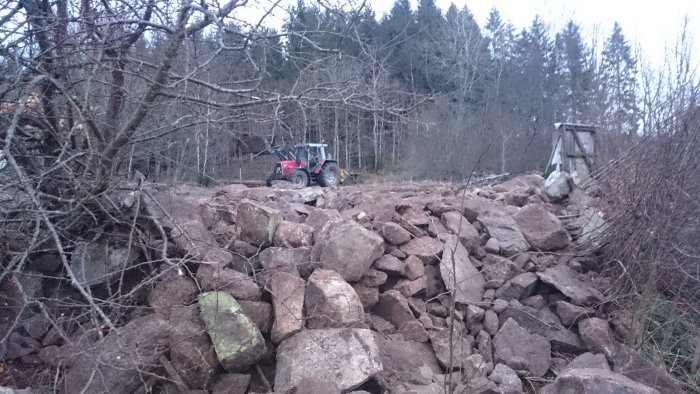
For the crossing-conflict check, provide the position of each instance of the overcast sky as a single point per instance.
(652, 25)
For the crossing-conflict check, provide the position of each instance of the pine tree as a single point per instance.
(574, 75)
(619, 83)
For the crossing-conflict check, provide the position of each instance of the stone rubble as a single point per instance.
(371, 288)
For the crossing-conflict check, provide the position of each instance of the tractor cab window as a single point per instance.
(302, 154)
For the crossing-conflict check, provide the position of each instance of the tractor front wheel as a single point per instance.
(299, 178)
(330, 175)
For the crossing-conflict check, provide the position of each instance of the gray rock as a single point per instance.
(369, 296)
(413, 331)
(173, 290)
(374, 278)
(284, 259)
(506, 378)
(542, 230)
(597, 336)
(557, 185)
(256, 223)
(413, 268)
(231, 383)
(331, 302)
(215, 277)
(404, 361)
(571, 314)
(517, 348)
(238, 343)
(288, 292)
(338, 249)
(579, 288)
(394, 234)
(519, 287)
(633, 365)
(595, 381)
(389, 264)
(95, 263)
(503, 227)
(293, 235)
(491, 322)
(260, 313)
(410, 288)
(191, 351)
(475, 366)
(457, 268)
(493, 246)
(457, 224)
(346, 357)
(122, 361)
(425, 248)
(393, 307)
(462, 346)
(587, 360)
(498, 270)
(318, 218)
(484, 346)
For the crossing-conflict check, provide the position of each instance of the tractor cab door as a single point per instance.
(302, 156)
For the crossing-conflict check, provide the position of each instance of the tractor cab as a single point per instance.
(304, 165)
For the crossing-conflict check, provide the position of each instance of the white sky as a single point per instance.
(652, 25)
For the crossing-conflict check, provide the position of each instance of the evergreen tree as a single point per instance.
(574, 75)
(619, 83)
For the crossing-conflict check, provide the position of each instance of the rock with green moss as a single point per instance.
(237, 341)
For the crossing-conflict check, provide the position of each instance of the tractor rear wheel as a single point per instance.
(299, 178)
(330, 175)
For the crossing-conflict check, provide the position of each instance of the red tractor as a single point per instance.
(307, 164)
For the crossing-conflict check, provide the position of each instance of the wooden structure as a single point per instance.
(574, 149)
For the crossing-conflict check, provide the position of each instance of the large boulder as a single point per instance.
(256, 223)
(346, 357)
(504, 228)
(338, 248)
(459, 273)
(318, 218)
(237, 342)
(122, 361)
(557, 185)
(191, 351)
(288, 291)
(597, 335)
(595, 381)
(517, 348)
(578, 287)
(541, 228)
(331, 302)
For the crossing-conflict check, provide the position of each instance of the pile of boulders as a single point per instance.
(393, 288)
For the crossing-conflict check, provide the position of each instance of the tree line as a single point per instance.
(188, 91)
